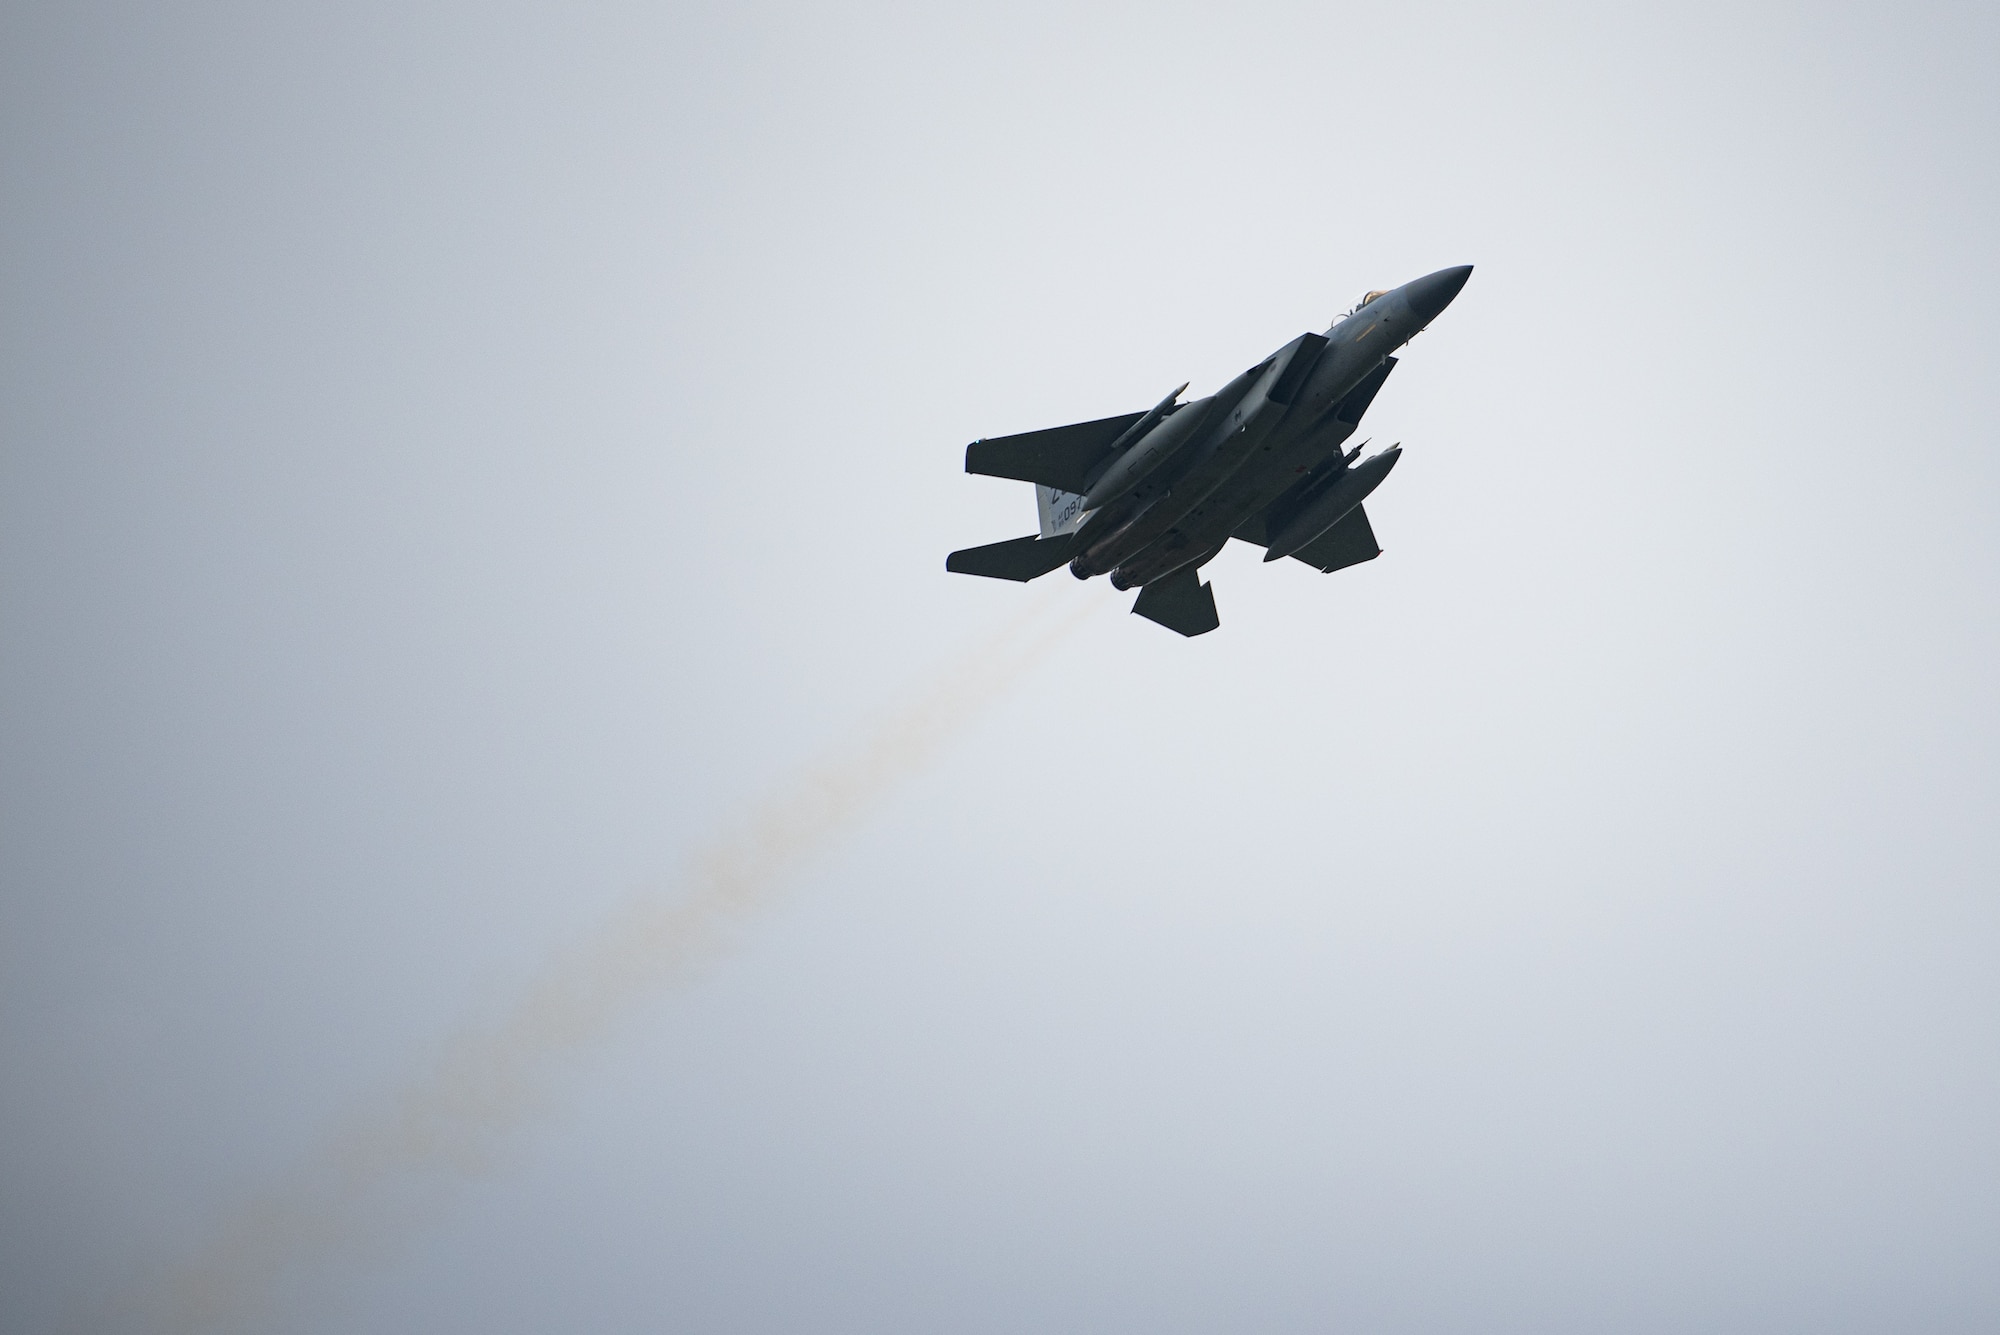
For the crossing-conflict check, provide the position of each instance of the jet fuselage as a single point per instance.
(1271, 439)
(1149, 497)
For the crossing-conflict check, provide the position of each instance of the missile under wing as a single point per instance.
(1149, 497)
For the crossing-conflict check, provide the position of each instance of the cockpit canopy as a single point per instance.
(1368, 297)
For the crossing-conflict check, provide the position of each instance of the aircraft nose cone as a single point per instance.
(1433, 292)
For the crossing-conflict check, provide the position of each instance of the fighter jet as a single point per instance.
(1148, 498)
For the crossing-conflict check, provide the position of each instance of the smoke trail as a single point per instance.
(361, 1191)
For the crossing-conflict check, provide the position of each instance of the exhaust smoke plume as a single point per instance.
(368, 1187)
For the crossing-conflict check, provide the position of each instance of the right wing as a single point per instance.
(1348, 543)
(1063, 457)
(1356, 403)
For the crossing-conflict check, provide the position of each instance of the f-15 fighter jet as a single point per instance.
(1149, 498)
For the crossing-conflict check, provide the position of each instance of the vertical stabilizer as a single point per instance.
(1060, 511)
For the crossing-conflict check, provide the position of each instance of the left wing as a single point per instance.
(1063, 457)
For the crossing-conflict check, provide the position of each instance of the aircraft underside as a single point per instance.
(1148, 498)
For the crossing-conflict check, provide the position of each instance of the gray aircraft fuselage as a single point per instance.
(1149, 498)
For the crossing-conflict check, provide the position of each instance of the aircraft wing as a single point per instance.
(1062, 457)
(1356, 403)
(1348, 543)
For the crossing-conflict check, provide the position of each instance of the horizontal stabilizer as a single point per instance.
(1018, 559)
(1180, 602)
(1348, 543)
(1063, 457)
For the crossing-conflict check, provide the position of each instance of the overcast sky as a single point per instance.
(456, 460)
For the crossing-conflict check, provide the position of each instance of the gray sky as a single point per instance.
(453, 464)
